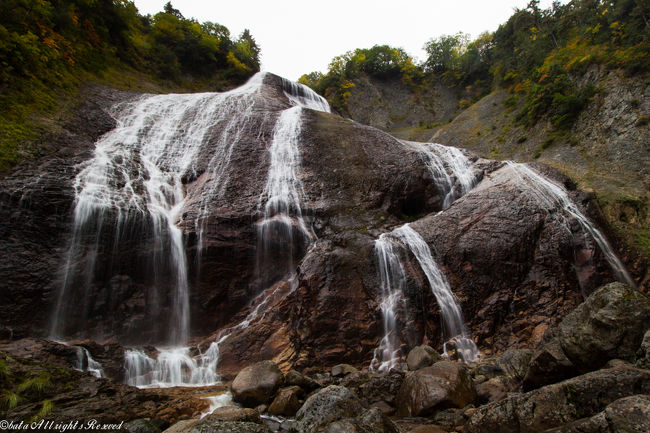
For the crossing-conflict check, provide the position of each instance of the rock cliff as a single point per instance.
(515, 264)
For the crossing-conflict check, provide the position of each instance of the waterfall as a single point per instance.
(282, 219)
(132, 191)
(303, 96)
(282, 233)
(85, 362)
(283, 208)
(393, 281)
(451, 170)
(553, 196)
(452, 316)
(172, 367)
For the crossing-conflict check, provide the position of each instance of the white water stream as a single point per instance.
(282, 200)
(85, 362)
(393, 283)
(450, 169)
(136, 178)
(454, 174)
(552, 196)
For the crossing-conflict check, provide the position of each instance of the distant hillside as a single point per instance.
(48, 49)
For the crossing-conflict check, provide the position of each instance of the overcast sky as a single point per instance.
(297, 37)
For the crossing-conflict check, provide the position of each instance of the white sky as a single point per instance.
(297, 37)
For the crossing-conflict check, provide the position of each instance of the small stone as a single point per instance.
(343, 370)
(422, 356)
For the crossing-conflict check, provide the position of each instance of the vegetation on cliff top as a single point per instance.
(536, 54)
(49, 47)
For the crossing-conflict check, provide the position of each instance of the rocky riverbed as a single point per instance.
(590, 373)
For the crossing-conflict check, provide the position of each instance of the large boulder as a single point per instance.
(514, 362)
(495, 389)
(257, 384)
(295, 378)
(343, 370)
(561, 403)
(628, 414)
(444, 384)
(610, 324)
(209, 426)
(422, 356)
(233, 413)
(381, 386)
(549, 363)
(327, 406)
(142, 426)
(227, 419)
(372, 420)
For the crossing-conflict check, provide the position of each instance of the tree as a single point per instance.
(444, 52)
(247, 51)
(169, 9)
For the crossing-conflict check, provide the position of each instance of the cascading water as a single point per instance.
(85, 362)
(172, 367)
(282, 218)
(452, 171)
(302, 96)
(393, 281)
(552, 196)
(283, 209)
(452, 316)
(135, 180)
(454, 174)
(282, 229)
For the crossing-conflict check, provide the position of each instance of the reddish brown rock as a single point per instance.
(257, 384)
(286, 401)
(79, 396)
(444, 384)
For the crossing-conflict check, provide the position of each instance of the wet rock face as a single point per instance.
(35, 204)
(509, 263)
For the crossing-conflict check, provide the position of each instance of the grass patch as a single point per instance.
(36, 384)
(9, 399)
(46, 408)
